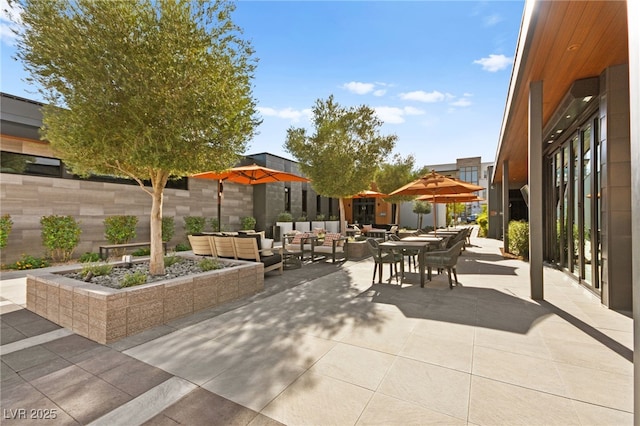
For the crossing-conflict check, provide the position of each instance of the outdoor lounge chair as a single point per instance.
(441, 259)
(200, 245)
(299, 243)
(334, 245)
(224, 246)
(247, 247)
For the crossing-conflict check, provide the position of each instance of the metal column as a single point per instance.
(536, 230)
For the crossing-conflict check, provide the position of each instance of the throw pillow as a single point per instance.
(267, 244)
(329, 237)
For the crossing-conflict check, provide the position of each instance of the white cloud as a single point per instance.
(494, 62)
(462, 102)
(10, 19)
(358, 88)
(491, 20)
(395, 115)
(286, 113)
(379, 92)
(422, 96)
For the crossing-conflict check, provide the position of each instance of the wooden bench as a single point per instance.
(104, 250)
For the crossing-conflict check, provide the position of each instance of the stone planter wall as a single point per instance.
(105, 315)
(357, 250)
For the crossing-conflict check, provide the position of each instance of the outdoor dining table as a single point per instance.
(391, 245)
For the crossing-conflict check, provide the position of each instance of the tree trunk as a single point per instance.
(397, 217)
(342, 216)
(156, 262)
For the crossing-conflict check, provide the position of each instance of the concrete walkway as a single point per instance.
(323, 345)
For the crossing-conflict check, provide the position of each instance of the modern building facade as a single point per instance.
(34, 183)
(565, 142)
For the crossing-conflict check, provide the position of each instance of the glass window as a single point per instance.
(11, 162)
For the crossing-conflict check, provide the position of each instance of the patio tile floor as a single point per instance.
(324, 345)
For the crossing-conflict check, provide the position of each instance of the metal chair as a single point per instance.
(391, 257)
(441, 259)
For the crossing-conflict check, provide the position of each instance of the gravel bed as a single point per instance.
(113, 280)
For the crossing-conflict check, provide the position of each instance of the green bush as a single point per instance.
(215, 226)
(519, 238)
(97, 269)
(319, 217)
(133, 279)
(171, 260)
(89, 257)
(60, 236)
(28, 262)
(248, 223)
(182, 247)
(483, 221)
(168, 229)
(194, 224)
(143, 251)
(208, 264)
(5, 229)
(120, 229)
(284, 217)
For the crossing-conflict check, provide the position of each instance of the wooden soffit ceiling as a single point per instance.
(562, 41)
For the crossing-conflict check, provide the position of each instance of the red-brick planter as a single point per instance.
(105, 315)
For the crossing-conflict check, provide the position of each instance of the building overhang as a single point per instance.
(560, 42)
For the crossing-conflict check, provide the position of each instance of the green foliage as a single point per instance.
(421, 208)
(148, 90)
(97, 269)
(89, 257)
(320, 217)
(483, 221)
(60, 236)
(194, 224)
(519, 238)
(28, 262)
(391, 176)
(248, 223)
(182, 247)
(168, 228)
(209, 264)
(120, 229)
(142, 251)
(454, 210)
(284, 217)
(133, 279)
(214, 224)
(171, 260)
(6, 224)
(302, 218)
(344, 139)
(333, 217)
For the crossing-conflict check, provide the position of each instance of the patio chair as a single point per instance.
(224, 246)
(441, 259)
(410, 254)
(200, 245)
(334, 245)
(299, 243)
(390, 257)
(247, 247)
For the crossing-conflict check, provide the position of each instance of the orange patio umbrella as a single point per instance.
(436, 185)
(248, 175)
(370, 194)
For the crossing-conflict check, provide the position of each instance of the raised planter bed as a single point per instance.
(106, 315)
(357, 250)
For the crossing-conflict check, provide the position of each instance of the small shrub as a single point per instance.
(285, 217)
(171, 260)
(142, 251)
(89, 257)
(120, 229)
(5, 229)
(208, 264)
(519, 238)
(182, 247)
(213, 222)
(320, 217)
(194, 224)
(60, 236)
(168, 229)
(28, 262)
(483, 221)
(302, 218)
(133, 279)
(334, 217)
(248, 223)
(97, 269)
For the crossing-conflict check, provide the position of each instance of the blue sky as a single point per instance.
(436, 72)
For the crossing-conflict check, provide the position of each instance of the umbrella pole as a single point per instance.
(219, 205)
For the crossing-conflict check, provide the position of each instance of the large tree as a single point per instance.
(343, 153)
(392, 175)
(145, 89)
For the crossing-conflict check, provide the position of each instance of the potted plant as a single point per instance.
(319, 222)
(285, 222)
(302, 224)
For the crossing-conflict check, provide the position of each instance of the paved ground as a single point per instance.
(323, 345)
